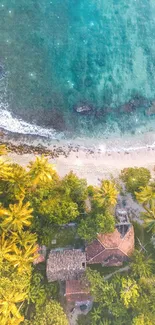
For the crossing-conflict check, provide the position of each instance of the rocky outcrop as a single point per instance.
(83, 108)
(133, 104)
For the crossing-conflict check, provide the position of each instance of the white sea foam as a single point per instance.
(15, 125)
(132, 148)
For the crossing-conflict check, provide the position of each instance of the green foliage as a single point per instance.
(147, 198)
(42, 193)
(141, 265)
(142, 320)
(102, 291)
(122, 300)
(41, 171)
(76, 188)
(38, 201)
(106, 195)
(100, 219)
(91, 190)
(16, 217)
(18, 183)
(129, 292)
(84, 319)
(17, 246)
(135, 178)
(146, 195)
(59, 210)
(40, 291)
(60, 203)
(94, 224)
(37, 293)
(15, 186)
(50, 314)
(5, 170)
(13, 291)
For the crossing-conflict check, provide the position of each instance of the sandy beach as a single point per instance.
(93, 160)
(93, 165)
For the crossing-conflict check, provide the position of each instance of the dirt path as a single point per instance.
(122, 269)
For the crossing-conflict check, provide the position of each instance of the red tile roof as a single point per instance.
(77, 290)
(94, 249)
(111, 240)
(127, 243)
(106, 254)
(110, 246)
(116, 240)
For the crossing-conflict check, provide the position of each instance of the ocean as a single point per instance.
(77, 69)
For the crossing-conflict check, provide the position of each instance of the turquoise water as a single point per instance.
(61, 54)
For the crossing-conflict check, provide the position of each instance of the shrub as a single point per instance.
(134, 178)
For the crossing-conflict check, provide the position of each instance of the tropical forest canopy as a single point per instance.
(35, 204)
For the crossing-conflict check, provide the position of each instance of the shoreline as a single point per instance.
(92, 165)
(91, 160)
(111, 143)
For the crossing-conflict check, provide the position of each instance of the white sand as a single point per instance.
(95, 166)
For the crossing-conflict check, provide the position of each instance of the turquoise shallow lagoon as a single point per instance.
(59, 55)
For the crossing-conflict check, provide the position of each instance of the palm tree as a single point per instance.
(129, 292)
(96, 315)
(105, 322)
(24, 238)
(149, 220)
(8, 310)
(6, 247)
(16, 217)
(141, 265)
(146, 195)
(23, 258)
(147, 198)
(106, 195)
(41, 170)
(12, 321)
(5, 170)
(18, 182)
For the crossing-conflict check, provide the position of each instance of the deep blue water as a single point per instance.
(61, 54)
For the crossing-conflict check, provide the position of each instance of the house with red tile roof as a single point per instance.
(77, 291)
(112, 249)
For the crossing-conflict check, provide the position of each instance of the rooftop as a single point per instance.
(117, 240)
(77, 290)
(65, 264)
(116, 244)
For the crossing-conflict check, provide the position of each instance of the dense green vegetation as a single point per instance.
(122, 299)
(51, 313)
(135, 178)
(23, 288)
(35, 208)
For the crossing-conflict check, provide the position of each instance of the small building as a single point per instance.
(77, 292)
(122, 216)
(65, 264)
(112, 249)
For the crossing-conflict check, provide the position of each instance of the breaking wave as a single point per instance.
(15, 125)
